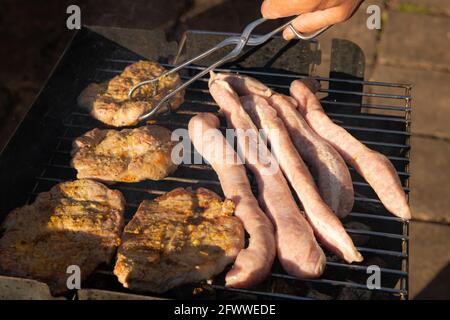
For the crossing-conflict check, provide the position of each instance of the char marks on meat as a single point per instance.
(109, 102)
(180, 237)
(75, 223)
(128, 155)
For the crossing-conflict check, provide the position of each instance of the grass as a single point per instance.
(413, 8)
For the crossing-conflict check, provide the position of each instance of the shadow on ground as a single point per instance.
(438, 288)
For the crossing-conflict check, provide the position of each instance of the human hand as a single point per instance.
(315, 14)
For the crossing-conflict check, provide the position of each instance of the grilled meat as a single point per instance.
(298, 251)
(253, 263)
(327, 166)
(128, 155)
(75, 223)
(333, 177)
(373, 166)
(109, 102)
(324, 222)
(180, 237)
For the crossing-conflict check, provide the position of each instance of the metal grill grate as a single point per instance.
(381, 122)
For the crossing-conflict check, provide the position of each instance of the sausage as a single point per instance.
(327, 166)
(298, 251)
(252, 264)
(374, 167)
(332, 174)
(323, 221)
(244, 85)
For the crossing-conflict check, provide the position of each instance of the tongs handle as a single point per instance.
(240, 41)
(240, 44)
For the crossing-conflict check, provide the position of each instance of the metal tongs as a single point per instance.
(245, 39)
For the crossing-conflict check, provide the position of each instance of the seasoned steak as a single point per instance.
(109, 102)
(180, 237)
(75, 223)
(128, 155)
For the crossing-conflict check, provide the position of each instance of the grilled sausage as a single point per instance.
(323, 221)
(252, 264)
(333, 177)
(327, 166)
(371, 165)
(244, 85)
(298, 250)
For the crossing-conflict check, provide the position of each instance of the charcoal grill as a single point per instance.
(38, 154)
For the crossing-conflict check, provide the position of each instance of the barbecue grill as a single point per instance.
(38, 154)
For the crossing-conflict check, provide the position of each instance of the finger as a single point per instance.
(313, 21)
(274, 9)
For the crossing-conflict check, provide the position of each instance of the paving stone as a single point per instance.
(430, 97)
(138, 14)
(354, 30)
(422, 6)
(429, 263)
(416, 40)
(430, 183)
(5, 103)
(229, 16)
(34, 40)
(200, 6)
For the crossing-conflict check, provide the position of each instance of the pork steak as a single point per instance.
(128, 155)
(75, 223)
(109, 102)
(181, 237)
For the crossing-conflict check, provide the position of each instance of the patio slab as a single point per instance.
(355, 29)
(438, 7)
(415, 40)
(430, 97)
(429, 264)
(430, 183)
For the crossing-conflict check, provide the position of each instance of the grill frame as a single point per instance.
(51, 169)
